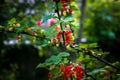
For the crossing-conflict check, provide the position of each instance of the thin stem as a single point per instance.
(100, 59)
(13, 31)
(71, 29)
(104, 61)
(57, 10)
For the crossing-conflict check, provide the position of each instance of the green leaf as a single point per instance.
(96, 71)
(81, 58)
(20, 28)
(83, 45)
(86, 58)
(46, 17)
(109, 18)
(53, 60)
(83, 66)
(74, 7)
(55, 71)
(63, 54)
(103, 32)
(44, 45)
(65, 60)
(12, 21)
(57, 60)
(92, 45)
(118, 78)
(111, 35)
(68, 19)
(41, 65)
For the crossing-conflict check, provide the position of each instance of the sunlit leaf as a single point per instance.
(12, 21)
(92, 45)
(63, 54)
(65, 60)
(41, 65)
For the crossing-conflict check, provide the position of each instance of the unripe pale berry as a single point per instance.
(11, 28)
(68, 47)
(29, 29)
(42, 31)
(17, 25)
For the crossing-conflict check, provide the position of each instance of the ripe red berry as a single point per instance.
(67, 36)
(49, 75)
(67, 0)
(51, 21)
(54, 40)
(19, 38)
(38, 23)
(71, 71)
(34, 33)
(70, 11)
(57, 28)
(59, 36)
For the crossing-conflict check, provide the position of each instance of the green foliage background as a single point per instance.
(101, 25)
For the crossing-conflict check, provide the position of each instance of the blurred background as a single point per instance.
(97, 21)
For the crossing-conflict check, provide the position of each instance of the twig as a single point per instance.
(23, 32)
(57, 10)
(88, 52)
(104, 61)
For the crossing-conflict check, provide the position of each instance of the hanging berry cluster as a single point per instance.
(71, 71)
(29, 31)
(65, 6)
(65, 32)
(76, 72)
(68, 37)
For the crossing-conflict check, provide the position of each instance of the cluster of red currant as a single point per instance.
(65, 6)
(68, 37)
(65, 33)
(71, 71)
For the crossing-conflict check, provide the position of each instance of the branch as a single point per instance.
(88, 52)
(23, 32)
(104, 61)
(57, 10)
